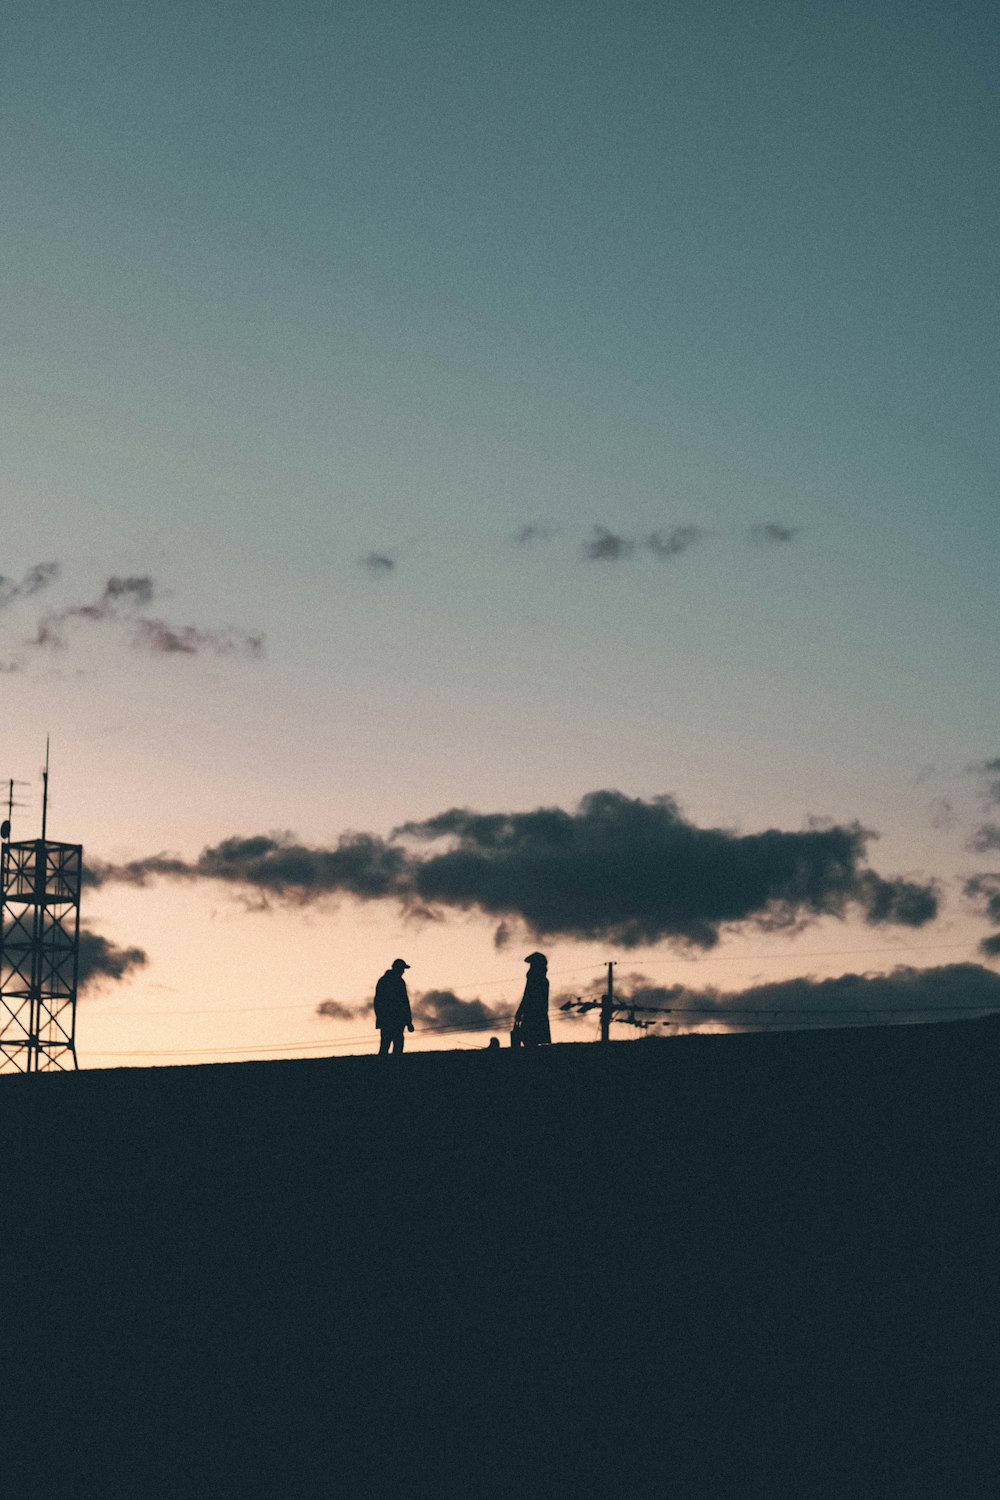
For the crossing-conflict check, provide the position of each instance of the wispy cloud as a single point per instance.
(188, 640)
(773, 532)
(528, 534)
(672, 543)
(121, 604)
(378, 564)
(989, 773)
(120, 596)
(339, 1010)
(986, 837)
(942, 813)
(37, 578)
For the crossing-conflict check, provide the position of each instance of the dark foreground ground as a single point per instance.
(753, 1266)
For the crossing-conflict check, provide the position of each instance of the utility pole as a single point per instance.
(608, 1005)
(626, 1014)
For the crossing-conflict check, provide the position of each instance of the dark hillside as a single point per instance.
(757, 1266)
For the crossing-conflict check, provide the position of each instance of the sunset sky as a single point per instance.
(480, 407)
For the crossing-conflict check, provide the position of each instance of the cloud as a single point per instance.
(503, 936)
(987, 836)
(133, 590)
(907, 993)
(37, 578)
(528, 534)
(188, 640)
(616, 869)
(990, 771)
(338, 1010)
(605, 546)
(942, 813)
(137, 872)
(905, 903)
(439, 1010)
(119, 593)
(609, 546)
(378, 564)
(102, 962)
(773, 531)
(631, 872)
(442, 1009)
(984, 891)
(274, 864)
(676, 541)
(120, 602)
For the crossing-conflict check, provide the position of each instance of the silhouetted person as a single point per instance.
(392, 1008)
(532, 1016)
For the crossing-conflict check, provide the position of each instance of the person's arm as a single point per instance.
(409, 1013)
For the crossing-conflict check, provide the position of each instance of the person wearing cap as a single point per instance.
(532, 1017)
(392, 1008)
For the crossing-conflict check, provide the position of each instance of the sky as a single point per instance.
(431, 406)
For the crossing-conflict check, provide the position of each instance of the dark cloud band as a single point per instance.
(903, 994)
(618, 869)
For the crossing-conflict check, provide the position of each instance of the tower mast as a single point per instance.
(39, 947)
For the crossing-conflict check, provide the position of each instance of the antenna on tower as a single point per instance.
(45, 789)
(11, 804)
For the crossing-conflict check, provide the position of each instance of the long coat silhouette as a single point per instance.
(533, 1011)
(392, 1007)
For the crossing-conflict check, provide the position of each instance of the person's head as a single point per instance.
(398, 965)
(537, 961)
(494, 1044)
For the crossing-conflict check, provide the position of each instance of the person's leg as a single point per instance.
(385, 1037)
(400, 1040)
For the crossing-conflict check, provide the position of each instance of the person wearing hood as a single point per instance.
(532, 1017)
(392, 1008)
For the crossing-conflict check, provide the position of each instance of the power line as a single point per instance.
(774, 1014)
(464, 984)
(491, 1025)
(831, 1010)
(568, 973)
(622, 1011)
